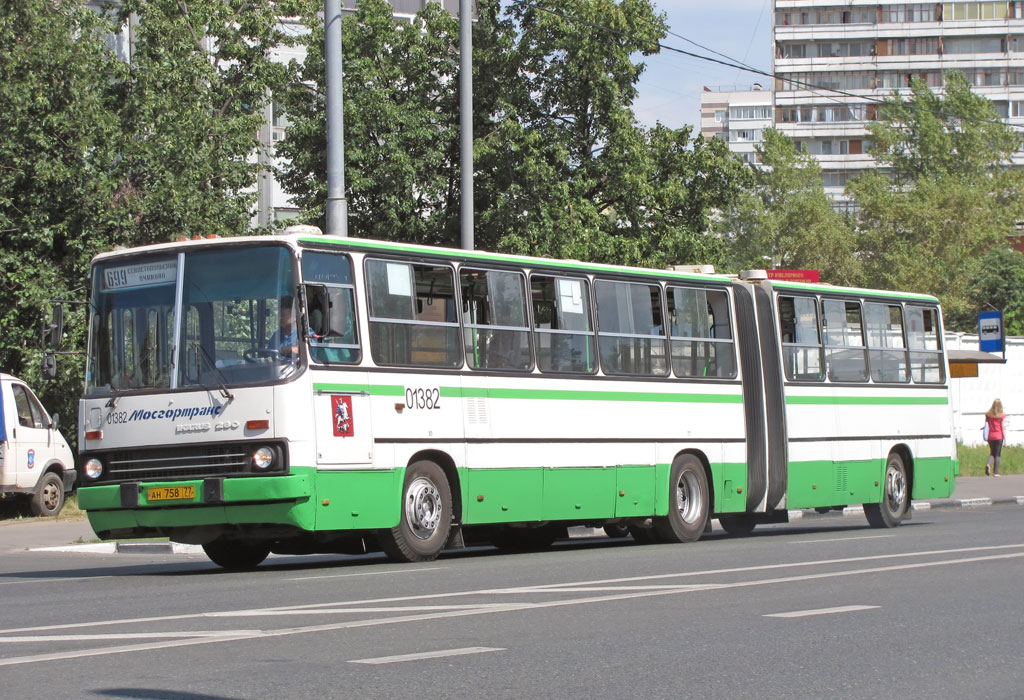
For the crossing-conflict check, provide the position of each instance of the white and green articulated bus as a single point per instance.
(304, 393)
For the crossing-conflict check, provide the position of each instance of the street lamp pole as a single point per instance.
(466, 118)
(337, 206)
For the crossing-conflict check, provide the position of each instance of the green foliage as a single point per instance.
(972, 459)
(401, 125)
(785, 220)
(1001, 287)
(96, 152)
(950, 201)
(561, 166)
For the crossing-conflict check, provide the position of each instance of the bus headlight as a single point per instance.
(263, 458)
(93, 468)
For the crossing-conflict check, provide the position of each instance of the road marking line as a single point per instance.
(399, 619)
(390, 572)
(496, 591)
(842, 539)
(825, 611)
(61, 579)
(127, 635)
(425, 655)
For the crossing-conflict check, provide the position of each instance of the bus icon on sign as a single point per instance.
(990, 331)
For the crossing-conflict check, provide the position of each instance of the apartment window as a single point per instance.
(1017, 108)
(955, 11)
(720, 115)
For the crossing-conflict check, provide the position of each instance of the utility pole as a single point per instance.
(466, 118)
(337, 206)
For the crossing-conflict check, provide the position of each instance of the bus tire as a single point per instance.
(737, 524)
(236, 554)
(616, 530)
(426, 515)
(48, 498)
(689, 502)
(526, 539)
(895, 496)
(643, 533)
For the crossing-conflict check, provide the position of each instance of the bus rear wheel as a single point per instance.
(426, 516)
(236, 554)
(895, 496)
(737, 524)
(689, 502)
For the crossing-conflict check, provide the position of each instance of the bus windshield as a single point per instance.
(236, 324)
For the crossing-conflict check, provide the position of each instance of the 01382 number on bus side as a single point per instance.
(424, 399)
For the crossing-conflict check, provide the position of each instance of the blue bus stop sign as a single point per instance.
(990, 331)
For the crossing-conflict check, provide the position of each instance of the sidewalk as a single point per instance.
(77, 535)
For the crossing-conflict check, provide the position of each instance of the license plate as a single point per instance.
(171, 493)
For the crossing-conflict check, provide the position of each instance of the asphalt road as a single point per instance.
(824, 607)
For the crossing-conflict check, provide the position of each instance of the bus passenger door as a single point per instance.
(343, 427)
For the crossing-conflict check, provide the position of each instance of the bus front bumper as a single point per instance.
(281, 500)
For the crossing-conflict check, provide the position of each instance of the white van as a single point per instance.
(35, 459)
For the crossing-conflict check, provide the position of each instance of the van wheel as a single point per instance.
(689, 501)
(236, 554)
(49, 496)
(426, 516)
(895, 496)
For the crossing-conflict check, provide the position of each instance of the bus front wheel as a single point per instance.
(236, 554)
(426, 515)
(689, 502)
(895, 496)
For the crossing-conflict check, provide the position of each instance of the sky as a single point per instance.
(670, 86)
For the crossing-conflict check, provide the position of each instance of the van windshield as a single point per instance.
(235, 326)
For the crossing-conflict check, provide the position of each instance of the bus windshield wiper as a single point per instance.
(222, 383)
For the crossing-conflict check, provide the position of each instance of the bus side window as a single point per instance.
(413, 316)
(887, 354)
(702, 344)
(631, 329)
(845, 353)
(495, 330)
(563, 332)
(923, 341)
(801, 340)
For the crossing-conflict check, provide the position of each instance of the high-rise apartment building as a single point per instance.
(737, 116)
(834, 61)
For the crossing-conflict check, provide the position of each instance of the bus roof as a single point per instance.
(370, 245)
(827, 288)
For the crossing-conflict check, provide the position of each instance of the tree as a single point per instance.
(565, 170)
(785, 220)
(401, 125)
(1001, 287)
(96, 152)
(950, 199)
(561, 166)
(58, 122)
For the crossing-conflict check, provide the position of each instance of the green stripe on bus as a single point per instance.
(386, 246)
(541, 394)
(868, 400)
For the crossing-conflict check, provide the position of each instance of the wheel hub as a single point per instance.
(895, 488)
(423, 508)
(688, 497)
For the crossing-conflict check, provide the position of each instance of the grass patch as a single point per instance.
(972, 460)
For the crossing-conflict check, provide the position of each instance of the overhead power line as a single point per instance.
(729, 62)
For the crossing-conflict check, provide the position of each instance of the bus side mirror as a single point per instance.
(49, 368)
(54, 331)
(54, 421)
